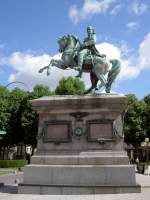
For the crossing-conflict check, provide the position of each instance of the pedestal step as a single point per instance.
(80, 175)
(76, 190)
(84, 158)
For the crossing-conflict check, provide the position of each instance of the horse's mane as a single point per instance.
(75, 38)
(70, 35)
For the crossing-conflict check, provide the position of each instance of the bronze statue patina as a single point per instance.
(87, 48)
(86, 58)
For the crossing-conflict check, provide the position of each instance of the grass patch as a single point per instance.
(4, 171)
(12, 163)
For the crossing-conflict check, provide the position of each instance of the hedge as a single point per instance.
(12, 163)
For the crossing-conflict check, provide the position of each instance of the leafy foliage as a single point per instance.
(147, 115)
(4, 107)
(70, 86)
(21, 122)
(134, 121)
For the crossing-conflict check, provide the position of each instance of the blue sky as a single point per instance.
(29, 30)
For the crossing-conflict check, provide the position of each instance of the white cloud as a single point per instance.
(133, 25)
(138, 8)
(89, 8)
(109, 49)
(128, 70)
(21, 61)
(126, 51)
(144, 57)
(26, 65)
(26, 68)
(135, 64)
(116, 9)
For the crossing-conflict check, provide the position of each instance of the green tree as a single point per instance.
(4, 115)
(17, 116)
(39, 91)
(29, 117)
(134, 121)
(147, 99)
(4, 107)
(147, 115)
(15, 131)
(23, 122)
(70, 86)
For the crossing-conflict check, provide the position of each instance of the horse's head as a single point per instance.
(62, 41)
(68, 41)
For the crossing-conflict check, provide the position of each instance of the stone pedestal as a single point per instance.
(80, 147)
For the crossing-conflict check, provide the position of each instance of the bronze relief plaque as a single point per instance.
(100, 130)
(57, 131)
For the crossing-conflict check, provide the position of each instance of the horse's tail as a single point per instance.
(116, 67)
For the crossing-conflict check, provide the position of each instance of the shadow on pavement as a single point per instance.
(12, 189)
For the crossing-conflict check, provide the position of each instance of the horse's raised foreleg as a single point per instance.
(42, 69)
(59, 63)
(116, 66)
(47, 67)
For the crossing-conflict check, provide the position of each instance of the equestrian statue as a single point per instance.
(86, 58)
